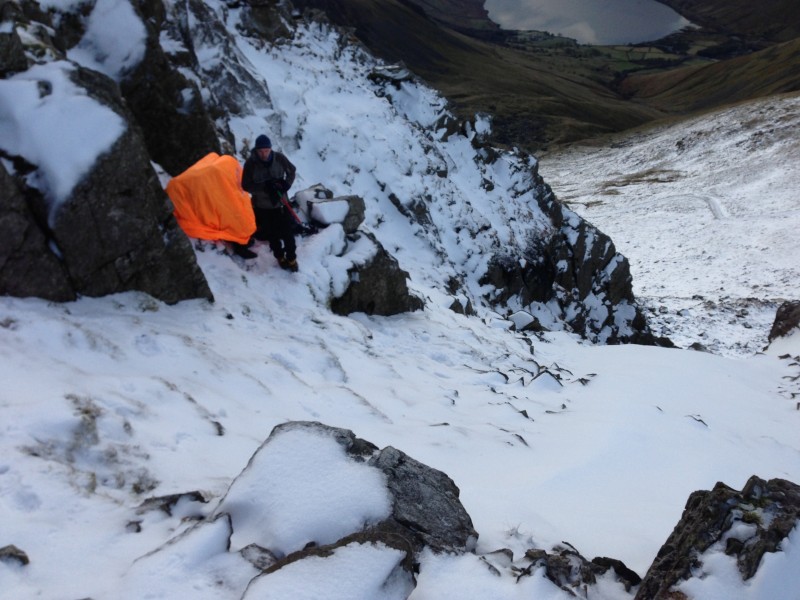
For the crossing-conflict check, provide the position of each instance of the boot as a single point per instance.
(242, 251)
(288, 264)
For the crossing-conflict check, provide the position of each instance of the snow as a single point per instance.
(339, 495)
(108, 402)
(49, 121)
(706, 211)
(114, 41)
(777, 576)
(361, 572)
(332, 211)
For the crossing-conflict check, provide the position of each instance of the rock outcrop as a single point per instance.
(576, 269)
(744, 525)
(110, 231)
(27, 265)
(377, 287)
(787, 318)
(570, 571)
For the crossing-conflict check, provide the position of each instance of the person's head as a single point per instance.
(263, 147)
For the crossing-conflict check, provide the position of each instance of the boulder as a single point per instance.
(113, 232)
(745, 525)
(28, 267)
(787, 318)
(377, 287)
(426, 510)
(12, 554)
(423, 510)
(322, 208)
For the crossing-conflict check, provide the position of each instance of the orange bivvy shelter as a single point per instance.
(209, 201)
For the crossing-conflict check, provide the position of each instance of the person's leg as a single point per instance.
(272, 229)
(243, 251)
(287, 236)
(261, 220)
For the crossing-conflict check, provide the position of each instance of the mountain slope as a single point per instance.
(532, 100)
(775, 70)
(706, 208)
(124, 422)
(540, 96)
(775, 20)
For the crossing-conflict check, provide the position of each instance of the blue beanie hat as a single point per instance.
(262, 141)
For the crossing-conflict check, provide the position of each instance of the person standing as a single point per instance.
(267, 176)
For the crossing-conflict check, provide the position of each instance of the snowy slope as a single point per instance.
(707, 210)
(104, 397)
(107, 402)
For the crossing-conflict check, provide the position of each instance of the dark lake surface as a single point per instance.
(589, 21)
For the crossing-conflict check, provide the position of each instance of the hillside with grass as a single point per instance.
(545, 90)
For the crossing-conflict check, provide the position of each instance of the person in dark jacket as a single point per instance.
(267, 176)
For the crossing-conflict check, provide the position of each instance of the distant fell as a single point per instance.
(545, 90)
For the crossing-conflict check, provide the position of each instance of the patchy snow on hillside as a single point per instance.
(706, 210)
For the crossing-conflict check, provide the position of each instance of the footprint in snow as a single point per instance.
(147, 345)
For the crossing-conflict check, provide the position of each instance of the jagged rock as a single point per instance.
(415, 210)
(787, 318)
(27, 266)
(13, 554)
(525, 321)
(393, 74)
(462, 308)
(745, 525)
(425, 503)
(134, 242)
(12, 54)
(377, 287)
(167, 503)
(114, 231)
(577, 269)
(569, 570)
(168, 107)
(268, 20)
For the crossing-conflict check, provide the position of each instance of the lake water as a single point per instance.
(589, 21)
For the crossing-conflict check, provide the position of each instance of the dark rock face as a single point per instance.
(426, 503)
(787, 318)
(377, 288)
(579, 268)
(764, 513)
(355, 213)
(114, 233)
(178, 130)
(117, 232)
(12, 54)
(27, 265)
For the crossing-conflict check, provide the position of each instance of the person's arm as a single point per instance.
(248, 185)
(289, 171)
